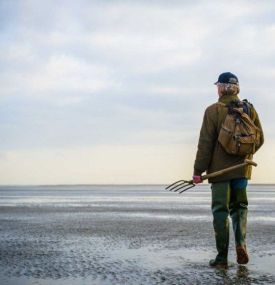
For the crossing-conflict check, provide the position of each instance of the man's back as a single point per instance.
(210, 155)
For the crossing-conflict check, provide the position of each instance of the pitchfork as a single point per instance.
(187, 184)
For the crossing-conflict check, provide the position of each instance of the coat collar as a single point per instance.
(228, 98)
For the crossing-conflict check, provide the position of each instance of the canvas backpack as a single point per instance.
(238, 134)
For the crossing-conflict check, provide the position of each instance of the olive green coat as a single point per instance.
(210, 154)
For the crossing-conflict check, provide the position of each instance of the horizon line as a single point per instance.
(111, 184)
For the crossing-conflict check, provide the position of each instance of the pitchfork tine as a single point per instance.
(186, 185)
(177, 185)
(191, 186)
(171, 185)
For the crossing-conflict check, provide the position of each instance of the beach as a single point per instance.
(126, 234)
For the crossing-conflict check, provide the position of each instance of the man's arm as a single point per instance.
(207, 141)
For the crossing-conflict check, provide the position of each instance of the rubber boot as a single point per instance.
(239, 219)
(220, 210)
(221, 229)
(238, 213)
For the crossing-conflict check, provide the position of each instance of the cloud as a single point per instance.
(59, 74)
(126, 72)
(65, 73)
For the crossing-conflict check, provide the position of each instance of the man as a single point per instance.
(229, 190)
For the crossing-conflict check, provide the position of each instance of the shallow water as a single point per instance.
(126, 235)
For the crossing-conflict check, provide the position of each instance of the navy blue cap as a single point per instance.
(227, 77)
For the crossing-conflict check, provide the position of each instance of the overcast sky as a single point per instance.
(114, 91)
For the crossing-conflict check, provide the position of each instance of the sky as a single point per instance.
(114, 91)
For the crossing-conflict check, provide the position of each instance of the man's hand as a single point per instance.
(197, 179)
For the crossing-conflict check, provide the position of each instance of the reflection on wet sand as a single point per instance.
(242, 272)
(241, 277)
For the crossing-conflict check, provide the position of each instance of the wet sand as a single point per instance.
(126, 235)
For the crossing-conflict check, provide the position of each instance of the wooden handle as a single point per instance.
(248, 161)
(223, 171)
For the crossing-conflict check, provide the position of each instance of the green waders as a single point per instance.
(229, 198)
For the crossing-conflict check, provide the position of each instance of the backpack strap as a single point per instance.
(247, 107)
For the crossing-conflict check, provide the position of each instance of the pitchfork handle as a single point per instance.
(223, 171)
